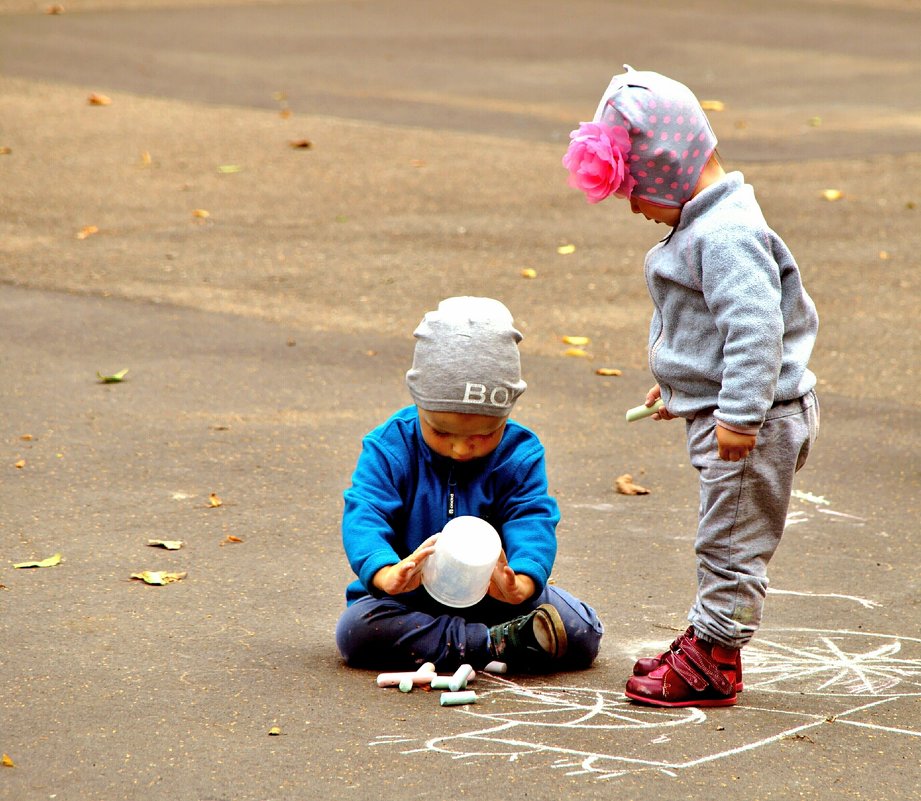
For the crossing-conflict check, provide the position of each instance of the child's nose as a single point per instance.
(462, 447)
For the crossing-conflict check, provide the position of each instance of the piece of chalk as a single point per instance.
(406, 684)
(453, 699)
(444, 682)
(639, 412)
(394, 679)
(426, 667)
(459, 679)
(496, 667)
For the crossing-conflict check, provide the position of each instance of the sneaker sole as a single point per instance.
(701, 702)
(552, 629)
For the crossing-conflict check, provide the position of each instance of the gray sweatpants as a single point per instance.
(743, 510)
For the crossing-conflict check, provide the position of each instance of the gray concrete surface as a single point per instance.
(265, 339)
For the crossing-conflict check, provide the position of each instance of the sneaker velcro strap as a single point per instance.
(676, 661)
(705, 664)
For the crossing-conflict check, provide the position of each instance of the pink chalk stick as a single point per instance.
(394, 679)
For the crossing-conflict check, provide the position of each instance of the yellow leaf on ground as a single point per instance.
(712, 105)
(579, 341)
(214, 501)
(201, 214)
(625, 486)
(51, 561)
(170, 545)
(529, 272)
(7, 762)
(20, 464)
(832, 194)
(608, 371)
(300, 144)
(274, 731)
(577, 352)
(158, 577)
(230, 538)
(96, 99)
(87, 231)
(565, 250)
(115, 378)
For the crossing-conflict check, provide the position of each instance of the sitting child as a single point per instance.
(456, 452)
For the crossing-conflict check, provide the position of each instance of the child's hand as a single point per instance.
(507, 585)
(734, 447)
(405, 575)
(651, 397)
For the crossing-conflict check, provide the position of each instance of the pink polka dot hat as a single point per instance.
(649, 139)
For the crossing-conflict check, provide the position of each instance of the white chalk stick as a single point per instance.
(394, 679)
(426, 667)
(455, 698)
(496, 667)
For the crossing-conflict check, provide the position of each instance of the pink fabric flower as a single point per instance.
(597, 161)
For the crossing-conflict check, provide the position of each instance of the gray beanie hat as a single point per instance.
(466, 359)
(670, 135)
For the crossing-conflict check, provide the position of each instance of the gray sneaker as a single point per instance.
(530, 642)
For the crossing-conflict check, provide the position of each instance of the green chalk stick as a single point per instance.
(639, 412)
(454, 699)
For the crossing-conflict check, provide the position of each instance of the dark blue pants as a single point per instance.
(387, 634)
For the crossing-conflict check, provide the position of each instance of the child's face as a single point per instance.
(461, 437)
(657, 214)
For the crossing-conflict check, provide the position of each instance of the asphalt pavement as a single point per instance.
(253, 224)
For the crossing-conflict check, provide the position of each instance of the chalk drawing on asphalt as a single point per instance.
(837, 677)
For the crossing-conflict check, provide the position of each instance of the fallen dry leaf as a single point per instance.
(529, 272)
(51, 561)
(146, 160)
(565, 250)
(55, 10)
(87, 231)
(579, 353)
(300, 144)
(115, 378)
(158, 577)
(578, 341)
(214, 501)
(201, 214)
(230, 538)
(20, 464)
(712, 105)
(96, 99)
(832, 194)
(608, 371)
(26, 437)
(274, 731)
(5, 151)
(170, 545)
(625, 486)
(7, 762)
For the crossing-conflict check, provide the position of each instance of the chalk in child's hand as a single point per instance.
(460, 678)
(455, 698)
(639, 412)
(406, 684)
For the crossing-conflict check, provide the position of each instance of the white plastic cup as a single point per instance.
(457, 574)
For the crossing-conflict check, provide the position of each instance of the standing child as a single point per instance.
(731, 335)
(456, 452)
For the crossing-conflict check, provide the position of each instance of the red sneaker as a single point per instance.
(692, 673)
(645, 665)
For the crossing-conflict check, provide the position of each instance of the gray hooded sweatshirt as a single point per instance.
(733, 327)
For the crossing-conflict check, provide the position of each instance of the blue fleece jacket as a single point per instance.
(401, 491)
(733, 327)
